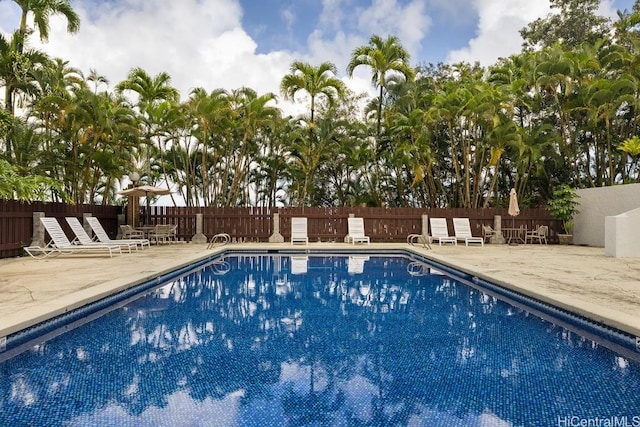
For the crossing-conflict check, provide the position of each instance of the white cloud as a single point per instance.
(333, 41)
(410, 22)
(332, 17)
(499, 25)
(498, 29)
(289, 16)
(198, 43)
(608, 9)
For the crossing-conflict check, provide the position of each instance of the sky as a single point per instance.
(234, 43)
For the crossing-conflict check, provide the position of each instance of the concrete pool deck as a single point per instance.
(581, 279)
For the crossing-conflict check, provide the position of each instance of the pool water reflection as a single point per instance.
(316, 341)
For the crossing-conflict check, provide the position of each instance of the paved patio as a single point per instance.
(581, 279)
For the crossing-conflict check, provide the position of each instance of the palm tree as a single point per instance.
(555, 80)
(532, 155)
(106, 128)
(151, 91)
(307, 160)
(271, 173)
(385, 58)
(17, 68)
(17, 74)
(160, 121)
(96, 79)
(313, 80)
(631, 147)
(209, 112)
(604, 99)
(42, 10)
(444, 114)
(56, 83)
(254, 114)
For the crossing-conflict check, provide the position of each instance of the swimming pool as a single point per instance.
(292, 339)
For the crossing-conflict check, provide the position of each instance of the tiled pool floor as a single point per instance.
(582, 279)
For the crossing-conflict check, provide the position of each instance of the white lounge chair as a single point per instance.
(299, 230)
(356, 231)
(440, 232)
(60, 244)
(103, 237)
(462, 229)
(84, 239)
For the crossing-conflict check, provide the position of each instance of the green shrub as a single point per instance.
(563, 206)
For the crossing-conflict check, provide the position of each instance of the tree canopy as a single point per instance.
(564, 111)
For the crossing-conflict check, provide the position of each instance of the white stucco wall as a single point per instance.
(598, 203)
(621, 235)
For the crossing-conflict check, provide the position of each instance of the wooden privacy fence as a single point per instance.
(251, 224)
(256, 224)
(16, 221)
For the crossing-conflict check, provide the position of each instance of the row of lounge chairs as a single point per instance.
(440, 233)
(132, 242)
(356, 233)
(82, 243)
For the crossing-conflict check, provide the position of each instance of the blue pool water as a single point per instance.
(274, 340)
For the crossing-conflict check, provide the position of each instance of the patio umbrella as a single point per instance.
(514, 210)
(146, 191)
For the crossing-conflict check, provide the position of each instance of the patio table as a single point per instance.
(516, 235)
(146, 229)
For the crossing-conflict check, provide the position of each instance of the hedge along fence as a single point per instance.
(256, 224)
